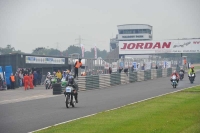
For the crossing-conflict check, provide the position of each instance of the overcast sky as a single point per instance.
(27, 24)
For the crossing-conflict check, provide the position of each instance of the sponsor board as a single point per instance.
(155, 47)
(114, 67)
(148, 65)
(44, 60)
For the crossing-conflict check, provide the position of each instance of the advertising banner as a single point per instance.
(121, 64)
(156, 47)
(1, 73)
(134, 65)
(147, 65)
(106, 65)
(168, 64)
(114, 67)
(44, 60)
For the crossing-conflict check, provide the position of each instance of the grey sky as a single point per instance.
(27, 24)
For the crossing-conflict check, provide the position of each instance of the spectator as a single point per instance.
(31, 77)
(59, 75)
(156, 67)
(120, 69)
(26, 80)
(77, 65)
(39, 78)
(35, 77)
(12, 81)
(126, 71)
(20, 78)
(1, 82)
(110, 70)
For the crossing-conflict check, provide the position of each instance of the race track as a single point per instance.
(26, 116)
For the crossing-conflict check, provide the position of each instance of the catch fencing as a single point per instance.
(106, 66)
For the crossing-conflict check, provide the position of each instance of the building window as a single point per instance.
(139, 31)
(144, 30)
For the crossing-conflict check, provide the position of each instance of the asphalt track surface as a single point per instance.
(26, 116)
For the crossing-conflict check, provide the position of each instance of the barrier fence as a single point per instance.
(106, 80)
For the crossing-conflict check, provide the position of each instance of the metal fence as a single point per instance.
(107, 66)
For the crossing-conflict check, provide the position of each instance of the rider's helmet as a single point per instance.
(174, 71)
(71, 79)
(192, 67)
(48, 73)
(67, 71)
(181, 68)
(54, 73)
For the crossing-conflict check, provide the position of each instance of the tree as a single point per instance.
(70, 50)
(9, 49)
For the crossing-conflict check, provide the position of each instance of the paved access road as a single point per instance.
(30, 115)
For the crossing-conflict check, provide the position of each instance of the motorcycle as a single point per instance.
(191, 78)
(69, 94)
(47, 83)
(174, 81)
(181, 74)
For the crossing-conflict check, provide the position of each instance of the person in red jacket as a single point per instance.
(31, 81)
(26, 80)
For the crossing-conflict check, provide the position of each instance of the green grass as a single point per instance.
(172, 113)
(197, 67)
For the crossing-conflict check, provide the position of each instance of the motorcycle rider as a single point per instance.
(181, 70)
(48, 78)
(71, 82)
(191, 71)
(64, 75)
(48, 75)
(67, 74)
(177, 76)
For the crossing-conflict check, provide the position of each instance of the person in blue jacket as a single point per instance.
(35, 77)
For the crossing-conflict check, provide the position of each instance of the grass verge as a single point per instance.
(173, 113)
(197, 67)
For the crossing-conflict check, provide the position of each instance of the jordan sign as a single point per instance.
(155, 47)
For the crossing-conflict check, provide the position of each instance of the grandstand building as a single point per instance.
(131, 32)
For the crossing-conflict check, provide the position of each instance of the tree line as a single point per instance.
(55, 52)
(192, 57)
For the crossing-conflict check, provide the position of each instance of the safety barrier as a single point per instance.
(106, 80)
(132, 77)
(164, 72)
(153, 73)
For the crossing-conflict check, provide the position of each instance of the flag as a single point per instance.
(95, 52)
(83, 50)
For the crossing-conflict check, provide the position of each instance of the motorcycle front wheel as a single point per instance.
(67, 101)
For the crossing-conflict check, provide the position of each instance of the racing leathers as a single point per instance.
(72, 83)
(191, 71)
(182, 71)
(177, 77)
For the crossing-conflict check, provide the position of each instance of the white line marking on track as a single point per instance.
(26, 99)
(113, 109)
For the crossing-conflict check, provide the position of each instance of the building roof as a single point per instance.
(134, 24)
(27, 54)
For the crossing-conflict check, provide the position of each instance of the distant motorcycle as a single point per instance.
(181, 74)
(174, 81)
(191, 78)
(69, 96)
